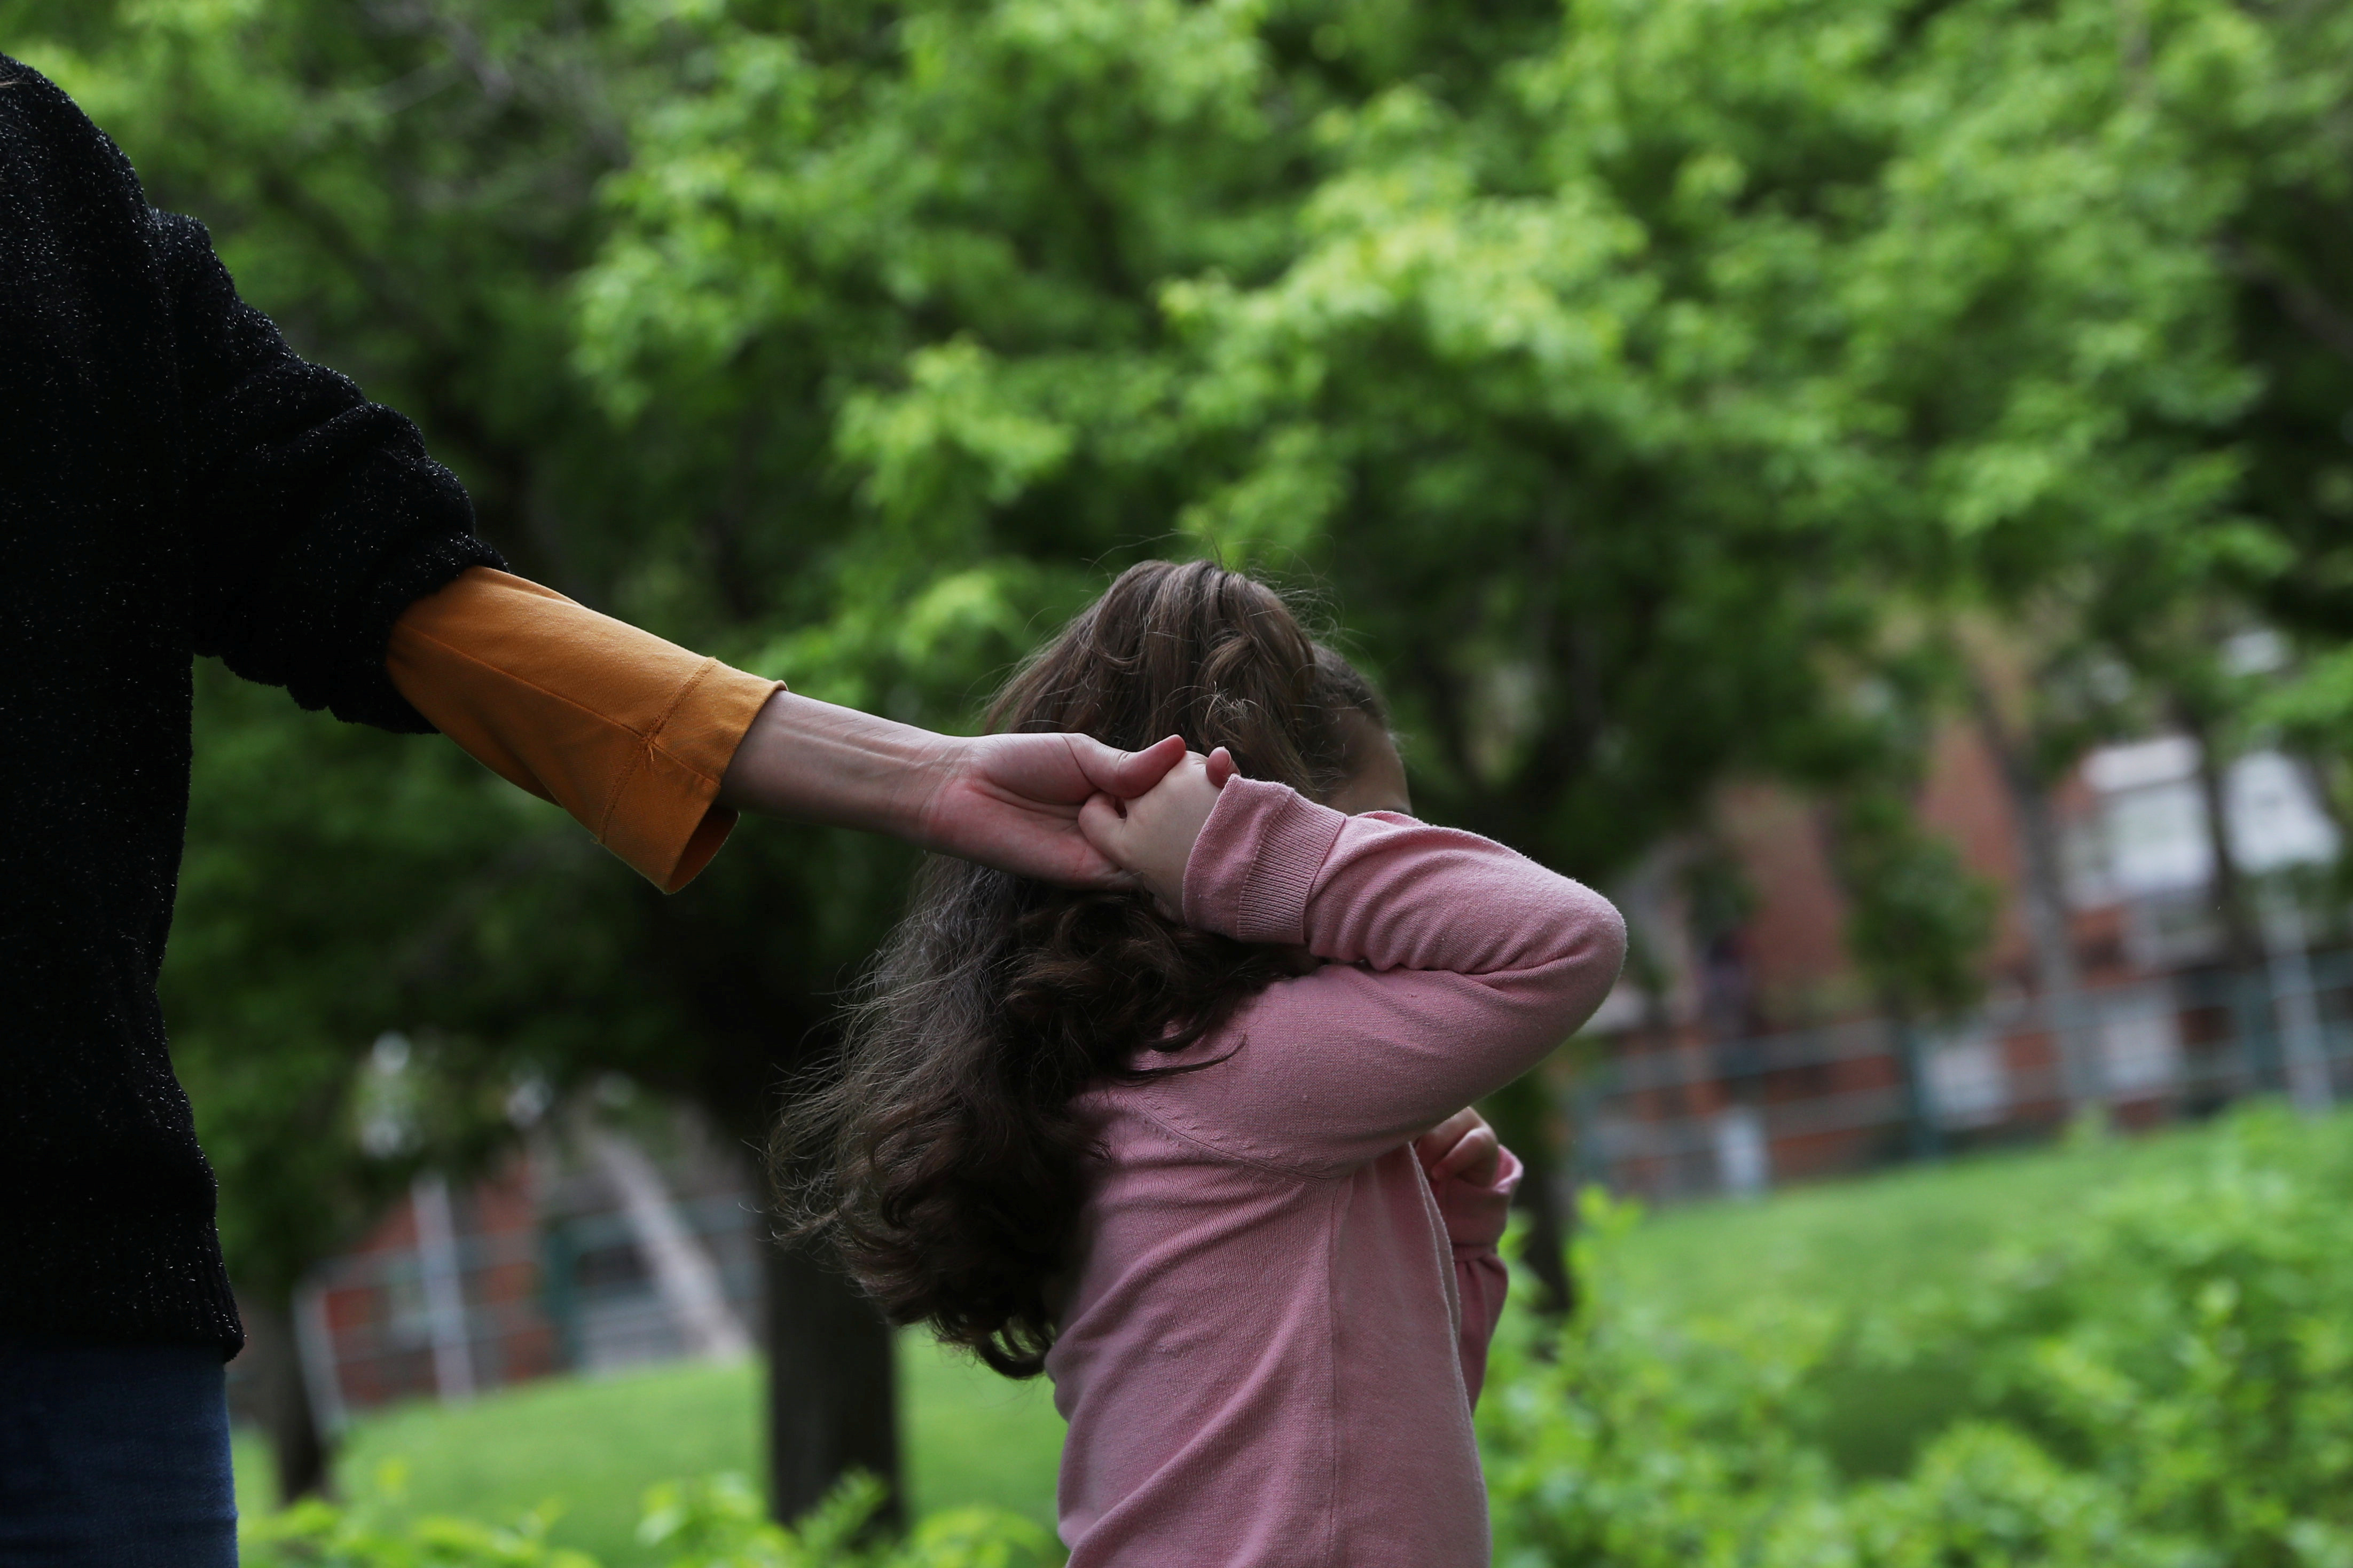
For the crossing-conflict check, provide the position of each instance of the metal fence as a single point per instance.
(546, 1270)
(1672, 1115)
(467, 1289)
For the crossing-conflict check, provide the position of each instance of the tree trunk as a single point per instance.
(2045, 904)
(1923, 1133)
(1522, 1114)
(282, 1398)
(2243, 944)
(832, 1384)
(832, 1387)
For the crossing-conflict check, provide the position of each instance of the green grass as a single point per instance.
(594, 1445)
(1872, 1238)
(1875, 1241)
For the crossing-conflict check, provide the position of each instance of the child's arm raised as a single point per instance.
(1455, 965)
(1151, 836)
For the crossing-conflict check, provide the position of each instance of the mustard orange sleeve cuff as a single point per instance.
(627, 733)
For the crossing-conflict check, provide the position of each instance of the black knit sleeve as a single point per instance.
(316, 516)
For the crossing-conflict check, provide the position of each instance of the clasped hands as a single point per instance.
(1062, 808)
(1014, 801)
(1151, 836)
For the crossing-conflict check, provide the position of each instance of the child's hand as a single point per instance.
(1460, 1148)
(1151, 837)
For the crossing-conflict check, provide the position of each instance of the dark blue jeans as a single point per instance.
(114, 1457)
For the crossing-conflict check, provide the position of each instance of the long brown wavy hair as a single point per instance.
(938, 1153)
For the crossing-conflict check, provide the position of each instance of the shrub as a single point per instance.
(720, 1523)
(2170, 1382)
(713, 1523)
(2191, 1345)
(317, 1534)
(2165, 1383)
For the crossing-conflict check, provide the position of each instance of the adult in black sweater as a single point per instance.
(175, 481)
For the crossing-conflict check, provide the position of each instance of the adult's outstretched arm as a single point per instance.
(1007, 800)
(655, 749)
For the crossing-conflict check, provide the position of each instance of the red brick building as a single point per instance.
(1743, 1049)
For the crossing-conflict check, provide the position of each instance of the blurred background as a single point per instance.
(1867, 483)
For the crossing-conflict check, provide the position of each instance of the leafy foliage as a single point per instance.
(2166, 1384)
(1633, 380)
(1650, 391)
(717, 1522)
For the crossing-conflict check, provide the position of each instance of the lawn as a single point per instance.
(1873, 1241)
(593, 1446)
(1868, 1238)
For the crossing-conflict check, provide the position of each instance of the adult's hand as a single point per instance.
(1013, 802)
(1151, 836)
(1007, 800)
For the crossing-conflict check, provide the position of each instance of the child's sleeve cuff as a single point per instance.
(1254, 866)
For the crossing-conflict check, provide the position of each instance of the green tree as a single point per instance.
(1033, 286)
(1647, 391)
(1615, 371)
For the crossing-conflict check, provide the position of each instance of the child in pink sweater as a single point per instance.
(1199, 1151)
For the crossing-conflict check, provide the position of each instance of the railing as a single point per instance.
(1684, 1116)
(483, 1293)
(456, 1308)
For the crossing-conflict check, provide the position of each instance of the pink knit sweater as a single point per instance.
(1273, 1340)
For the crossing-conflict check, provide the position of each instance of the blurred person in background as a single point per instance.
(175, 481)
